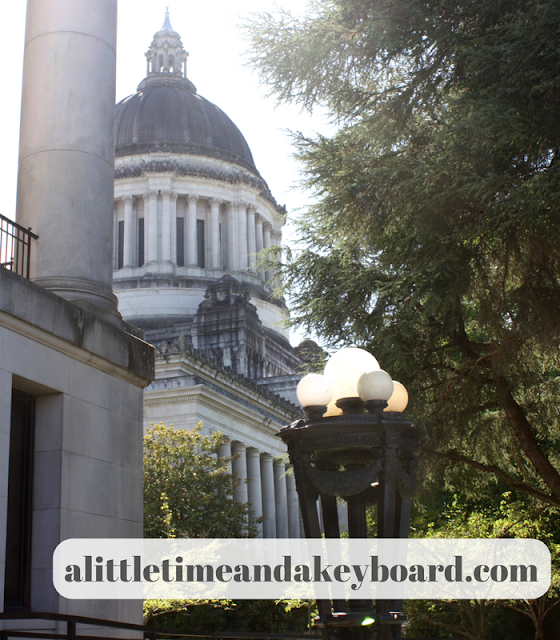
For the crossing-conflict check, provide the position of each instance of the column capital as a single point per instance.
(253, 452)
(278, 462)
(238, 446)
(267, 226)
(276, 235)
(150, 195)
(128, 198)
(242, 204)
(192, 197)
(258, 218)
(251, 208)
(169, 194)
(216, 202)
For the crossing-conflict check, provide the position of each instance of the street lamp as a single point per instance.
(355, 444)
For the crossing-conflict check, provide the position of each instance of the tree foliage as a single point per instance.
(435, 237)
(489, 516)
(188, 489)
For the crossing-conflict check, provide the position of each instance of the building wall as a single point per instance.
(88, 379)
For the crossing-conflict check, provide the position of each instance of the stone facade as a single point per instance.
(191, 213)
(86, 380)
(72, 372)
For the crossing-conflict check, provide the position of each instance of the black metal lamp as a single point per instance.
(354, 444)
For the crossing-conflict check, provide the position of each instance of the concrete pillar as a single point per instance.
(239, 467)
(225, 452)
(151, 227)
(242, 236)
(174, 227)
(254, 487)
(192, 257)
(293, 504)
(129, 227)
(260, 239)
(66, 150)
(233, 264)
(269, 503)
(280, 493)
(267, 229)
(214, 258)
(251, 237)
(166, 227)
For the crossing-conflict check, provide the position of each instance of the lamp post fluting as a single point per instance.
(354, 444)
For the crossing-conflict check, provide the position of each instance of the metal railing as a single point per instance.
(15, 246)
(148, 632)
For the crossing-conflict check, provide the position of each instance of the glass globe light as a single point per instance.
(332, 410)
(375, 385)
(314, 390)
(344, 369)
(399, 400)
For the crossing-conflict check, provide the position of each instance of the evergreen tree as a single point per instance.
(435, 238)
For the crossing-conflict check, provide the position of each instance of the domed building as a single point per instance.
(191, 213)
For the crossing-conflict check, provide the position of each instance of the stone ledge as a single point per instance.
(29, 303)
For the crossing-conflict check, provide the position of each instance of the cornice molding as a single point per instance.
(179, 168)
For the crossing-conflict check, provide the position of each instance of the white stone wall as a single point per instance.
(87, 466)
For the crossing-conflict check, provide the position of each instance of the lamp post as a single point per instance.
(354, 444)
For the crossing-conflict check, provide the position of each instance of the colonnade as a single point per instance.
(269, 486)
(208, 233)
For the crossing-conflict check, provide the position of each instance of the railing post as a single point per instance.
(15, 246)
(71, 630)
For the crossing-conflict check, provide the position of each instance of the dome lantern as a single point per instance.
(166, 55)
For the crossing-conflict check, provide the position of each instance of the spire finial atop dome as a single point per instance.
(167, 22)
(166, 57)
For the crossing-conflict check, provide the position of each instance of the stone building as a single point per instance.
(191, 212)
(72, 372)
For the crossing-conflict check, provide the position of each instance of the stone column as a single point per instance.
(293, 504)
(151, 247)
(239, 468)
(242, 236)
(254, 487)
(66, 150)
(232, 237)
(166, 234)
(215, 258)
(251, 237)
(269, 506)
(281, 499)
(192, 258)
(267, 230)
(225, 452)
(174, 197)
(260, 239)
(115, 234)
(129, 227)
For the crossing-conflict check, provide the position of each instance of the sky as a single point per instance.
(212, 35)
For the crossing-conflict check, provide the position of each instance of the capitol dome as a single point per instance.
(191, 213)
(167, 115)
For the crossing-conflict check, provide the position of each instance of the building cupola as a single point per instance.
(166, 58)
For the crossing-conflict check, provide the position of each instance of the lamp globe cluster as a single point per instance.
(351, 375)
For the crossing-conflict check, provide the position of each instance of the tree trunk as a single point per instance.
(523, 432)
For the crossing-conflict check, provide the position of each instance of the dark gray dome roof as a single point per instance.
(166, 114)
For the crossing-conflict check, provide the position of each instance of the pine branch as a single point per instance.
(490, 468)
